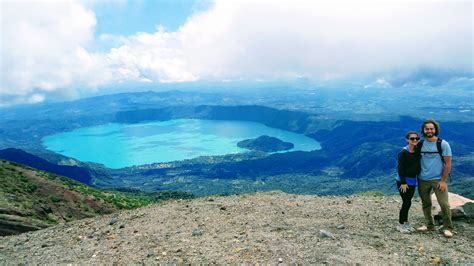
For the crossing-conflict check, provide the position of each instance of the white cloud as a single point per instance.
(157, 57)
(259, 40)
(42, 49)
(36, 98)
(316, 39)
(313, 39)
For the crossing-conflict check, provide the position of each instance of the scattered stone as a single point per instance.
(198, 232)
(113, 221)
(377, 244)
(121, 226)
(326, 234)
(341, 226)
(223, 208)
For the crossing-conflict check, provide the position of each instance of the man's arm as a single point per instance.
(446, 170)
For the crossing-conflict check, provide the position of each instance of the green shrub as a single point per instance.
(54, 199)
(30, 188)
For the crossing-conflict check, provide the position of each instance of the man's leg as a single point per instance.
(424, 189)
(443, 200)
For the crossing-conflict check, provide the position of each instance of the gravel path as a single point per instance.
(266, 227)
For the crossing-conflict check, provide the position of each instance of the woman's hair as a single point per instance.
(411, 132)
(430, 121)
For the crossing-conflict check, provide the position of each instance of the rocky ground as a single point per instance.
(269, 227)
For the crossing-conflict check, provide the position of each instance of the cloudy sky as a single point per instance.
(68, 49)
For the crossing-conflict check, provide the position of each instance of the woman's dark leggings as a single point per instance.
(406, 197)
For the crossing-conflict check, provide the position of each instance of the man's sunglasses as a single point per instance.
(412, 138)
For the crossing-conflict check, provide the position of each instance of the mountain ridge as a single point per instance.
(32, 200)
(77, 173)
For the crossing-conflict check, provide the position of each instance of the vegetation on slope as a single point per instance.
(31, 199)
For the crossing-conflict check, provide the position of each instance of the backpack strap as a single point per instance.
(440, 150)
(418, 148)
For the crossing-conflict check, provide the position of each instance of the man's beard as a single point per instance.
(428, 135)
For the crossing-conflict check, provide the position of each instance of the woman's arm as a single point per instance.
(402, 167)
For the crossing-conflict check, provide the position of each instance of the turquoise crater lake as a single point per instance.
(123, 145)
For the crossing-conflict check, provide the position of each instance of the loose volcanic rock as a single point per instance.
(252, 229)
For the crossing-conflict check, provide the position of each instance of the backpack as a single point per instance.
(438, 147)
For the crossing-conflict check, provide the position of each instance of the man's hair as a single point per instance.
(430, 121)
(411, 132)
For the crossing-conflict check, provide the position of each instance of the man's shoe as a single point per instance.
(447, 233)
(422, 228)
(425, 228)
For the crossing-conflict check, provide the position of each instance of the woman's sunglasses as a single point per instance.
(412, 138)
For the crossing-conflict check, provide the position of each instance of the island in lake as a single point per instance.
(266, 144)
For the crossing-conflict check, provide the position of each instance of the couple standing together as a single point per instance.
(425, 163)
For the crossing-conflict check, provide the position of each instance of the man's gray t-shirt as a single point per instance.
(431, 163)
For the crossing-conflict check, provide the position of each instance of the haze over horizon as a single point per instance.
(71, 49)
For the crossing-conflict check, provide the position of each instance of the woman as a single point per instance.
(408, 169)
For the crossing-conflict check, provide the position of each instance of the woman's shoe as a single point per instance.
(409, 227)
(405, 228)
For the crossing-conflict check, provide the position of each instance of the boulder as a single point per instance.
(461, 207)
(468, 209)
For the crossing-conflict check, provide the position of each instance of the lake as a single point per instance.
(122, 145)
